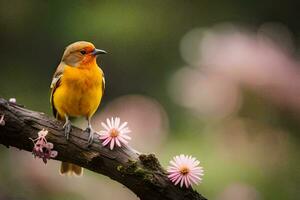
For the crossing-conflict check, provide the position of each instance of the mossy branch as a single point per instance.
(141, 173)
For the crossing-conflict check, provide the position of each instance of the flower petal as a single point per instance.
(105, 126)
(118, 142)
(123, 140)
(117, 122)
(108, 123)
(105, 142)
(122, 126)
(112, 122)
(178, 180)
(112, 143)
(182, 181)
(126, 137)
(53, 154)
(49, 145)
(103, 137)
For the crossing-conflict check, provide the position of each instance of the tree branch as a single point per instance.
(139, 172)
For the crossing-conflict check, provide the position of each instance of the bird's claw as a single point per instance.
(68, 127)
(91, 135)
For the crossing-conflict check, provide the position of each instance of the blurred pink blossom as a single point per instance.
(255, 60)
(206, 95)
(239, 191)
(232, 58)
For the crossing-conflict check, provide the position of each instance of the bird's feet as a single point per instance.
(91, 135)
(68, 127)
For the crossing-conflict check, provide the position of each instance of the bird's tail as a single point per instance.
(70, 169)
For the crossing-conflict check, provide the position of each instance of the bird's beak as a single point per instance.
(98, 51)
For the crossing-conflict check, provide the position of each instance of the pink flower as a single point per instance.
(42, 134)
(2, 122)
(185, 169)
(114, 133)
(43, 149)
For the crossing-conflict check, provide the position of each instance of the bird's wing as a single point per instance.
(56, 81)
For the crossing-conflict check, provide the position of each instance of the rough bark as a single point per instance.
(140, 173)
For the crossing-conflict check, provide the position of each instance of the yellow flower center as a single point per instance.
(114, 133)
(184, 170)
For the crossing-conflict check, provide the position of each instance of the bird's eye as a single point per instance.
(83, 52)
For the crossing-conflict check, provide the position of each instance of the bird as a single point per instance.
(77, 88)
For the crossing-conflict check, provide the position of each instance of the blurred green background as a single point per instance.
(219, 80)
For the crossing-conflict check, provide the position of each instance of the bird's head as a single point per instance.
(81, 53)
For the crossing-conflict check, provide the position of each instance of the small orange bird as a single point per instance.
(76, 90)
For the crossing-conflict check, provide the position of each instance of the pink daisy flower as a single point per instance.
(185, 170)
(115, 133)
